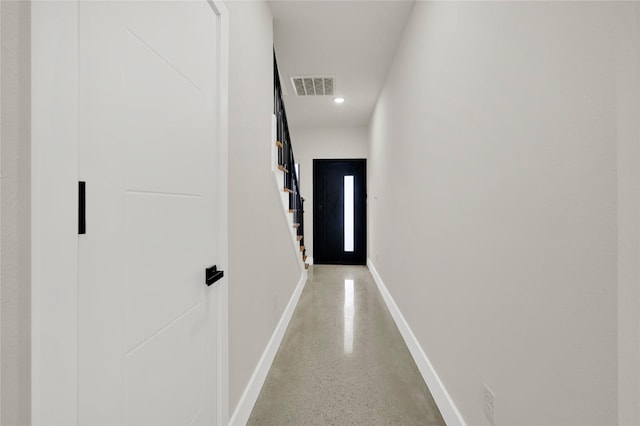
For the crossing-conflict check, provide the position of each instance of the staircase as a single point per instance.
(288, 178)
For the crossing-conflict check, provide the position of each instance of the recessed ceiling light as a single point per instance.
(338, 100)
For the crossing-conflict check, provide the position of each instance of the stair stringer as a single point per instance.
(278, 176)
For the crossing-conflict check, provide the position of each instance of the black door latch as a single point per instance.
(212, 275)
(82, 208)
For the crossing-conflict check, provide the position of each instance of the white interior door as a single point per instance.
(149, 155)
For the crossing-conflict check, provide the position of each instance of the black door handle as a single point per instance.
(212, 275)
(82, 208)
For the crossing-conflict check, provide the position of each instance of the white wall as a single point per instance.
(493, 204)
(0, 213)
(15, 309)
(311, 143)
(263, 266)
(628, 115)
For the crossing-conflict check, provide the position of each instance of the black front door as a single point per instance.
(339, 212)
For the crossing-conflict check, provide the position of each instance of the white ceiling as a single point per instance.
(355, 41)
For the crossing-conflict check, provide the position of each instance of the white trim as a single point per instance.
(252, 391)
(222, 297)
(310, 260)
(1, 384)
(54, 239)
(442, 398)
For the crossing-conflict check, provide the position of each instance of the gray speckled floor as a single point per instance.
(343, 361)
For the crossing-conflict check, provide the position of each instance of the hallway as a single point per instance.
(343, 360)
(159, 199)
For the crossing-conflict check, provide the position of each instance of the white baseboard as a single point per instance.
(442, 398)
(252, 391)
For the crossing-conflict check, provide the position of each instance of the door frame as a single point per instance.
(364, 208)
(54, 212)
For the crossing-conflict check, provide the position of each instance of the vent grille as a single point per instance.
(313, 86)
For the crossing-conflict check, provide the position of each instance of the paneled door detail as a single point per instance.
(149, 157)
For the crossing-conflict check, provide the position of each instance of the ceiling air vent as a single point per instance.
(313, 86)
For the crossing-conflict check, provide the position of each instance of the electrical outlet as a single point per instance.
(490, 404)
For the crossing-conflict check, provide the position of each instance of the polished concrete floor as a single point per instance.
(343, 361)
